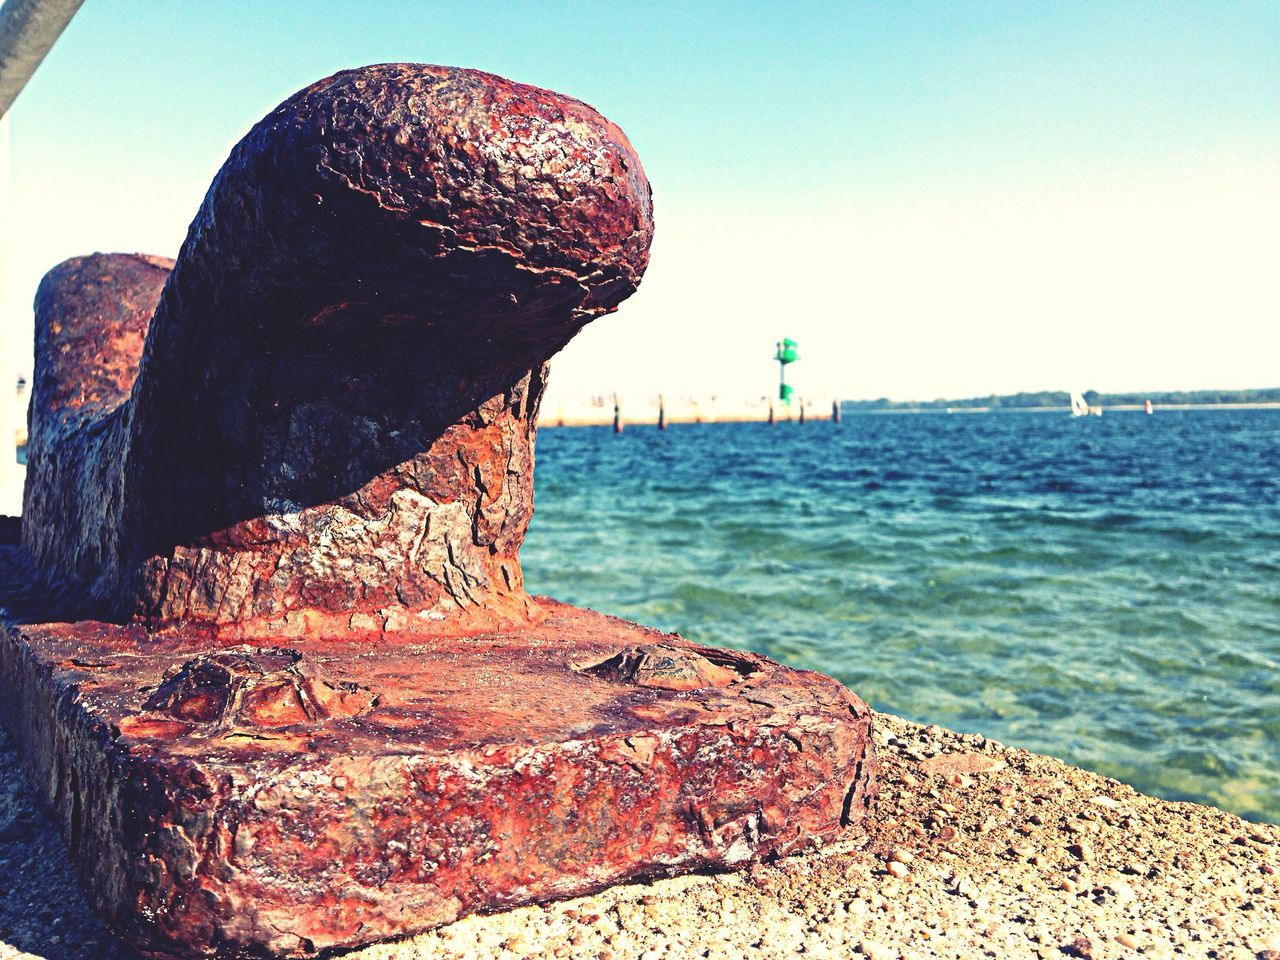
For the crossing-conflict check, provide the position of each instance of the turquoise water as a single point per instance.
(1103, 590)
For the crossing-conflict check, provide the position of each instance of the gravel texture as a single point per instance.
(977, 850)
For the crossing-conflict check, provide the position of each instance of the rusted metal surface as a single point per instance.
(266, 643)
(333, 418)
(91, 322)
(442, 781)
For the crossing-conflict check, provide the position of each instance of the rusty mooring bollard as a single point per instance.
(267, 649)
(357, 328)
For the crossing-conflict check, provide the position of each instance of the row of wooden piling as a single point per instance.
(618, 423)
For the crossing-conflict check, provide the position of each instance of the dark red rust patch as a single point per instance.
(256, 687)
(669, 667)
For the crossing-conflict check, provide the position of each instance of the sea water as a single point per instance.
(1105, 590)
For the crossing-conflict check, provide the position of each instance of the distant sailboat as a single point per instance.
(1149, 408)
(1081, 408)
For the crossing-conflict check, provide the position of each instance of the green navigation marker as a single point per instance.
(785, 354)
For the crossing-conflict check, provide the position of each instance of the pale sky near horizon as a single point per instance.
(934, 199)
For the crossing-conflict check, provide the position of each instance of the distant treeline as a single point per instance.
(1060, 398)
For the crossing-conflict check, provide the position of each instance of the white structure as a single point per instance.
(11, 475)
(28, 29)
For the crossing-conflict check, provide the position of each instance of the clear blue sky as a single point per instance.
(934, 198)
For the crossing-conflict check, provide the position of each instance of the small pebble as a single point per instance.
(1081, 851)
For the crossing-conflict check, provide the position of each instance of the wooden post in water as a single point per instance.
(802, 411)
(617, 415)
(662, 413)
(835, 411)
(771, 413)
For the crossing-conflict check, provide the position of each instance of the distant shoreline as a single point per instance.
(1128, 407)
(603, 417)
(1253, 398)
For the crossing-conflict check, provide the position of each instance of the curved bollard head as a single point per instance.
(501, 215)
(332, 422)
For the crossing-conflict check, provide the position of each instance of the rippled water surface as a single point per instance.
(1103, 590)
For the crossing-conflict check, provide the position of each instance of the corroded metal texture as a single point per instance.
(91, 322)
(266, 642)
(333, 418)
(543, 763)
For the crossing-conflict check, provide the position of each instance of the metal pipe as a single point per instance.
(28, 30)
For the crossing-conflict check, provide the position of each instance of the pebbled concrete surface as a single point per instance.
(980, 850)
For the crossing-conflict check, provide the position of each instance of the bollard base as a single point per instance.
(260, 801)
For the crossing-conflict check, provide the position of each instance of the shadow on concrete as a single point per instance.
(42, 913)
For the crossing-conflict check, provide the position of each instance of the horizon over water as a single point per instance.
(1104, 590)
